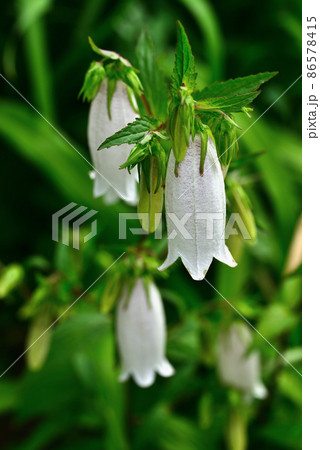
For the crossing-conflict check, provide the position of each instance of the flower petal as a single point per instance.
(165, 369)
(170, 259)
(124, 376)
(110, 197)
(144, 379)
(259, 391)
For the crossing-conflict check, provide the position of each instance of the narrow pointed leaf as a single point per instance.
(237, 86)
(184, 69)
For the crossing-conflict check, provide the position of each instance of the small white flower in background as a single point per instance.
(236, 368)
(201, 200)
(141, 335)
(109, 180)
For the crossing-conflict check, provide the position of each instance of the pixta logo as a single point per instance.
(182, 227)
(71, 219)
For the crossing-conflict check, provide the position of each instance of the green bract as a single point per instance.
(93, 80)
(113, 67)
(225, 138)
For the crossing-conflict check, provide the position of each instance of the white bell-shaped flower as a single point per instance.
(196, 211)
(236, 367)
(109, 180)
(141, 335)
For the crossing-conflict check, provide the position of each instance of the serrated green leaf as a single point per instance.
(237, 86)
(153, 84)
(184, 69)
(133, 133)
(228, 105)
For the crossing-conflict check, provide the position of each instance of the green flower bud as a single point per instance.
(242, 205)
(225, 138)
(151, 195)
(38, 341)
(180, 132)
(111, 292)
(132, 80)
(92, 81)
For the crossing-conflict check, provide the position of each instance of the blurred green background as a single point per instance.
(74, 401)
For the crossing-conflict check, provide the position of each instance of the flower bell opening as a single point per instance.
(141, 335)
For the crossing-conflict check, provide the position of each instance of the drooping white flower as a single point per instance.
(141, 335)
(196, 211)
(109, 180)
(236, 368)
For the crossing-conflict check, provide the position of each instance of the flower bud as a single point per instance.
(151, 198)
(93, 80)
(179, 133)
(242, 205)
(141, 334)
(38, 341)
(225, 137)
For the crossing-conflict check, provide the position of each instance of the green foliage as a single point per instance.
(38, 340)
(184, 70)
(237, 86)
(133, 133)
(154, 87)
(232, 104)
